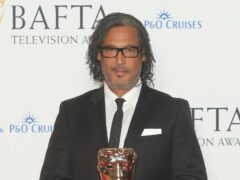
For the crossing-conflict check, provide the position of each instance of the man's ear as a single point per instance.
(143, 56)
(99, 57)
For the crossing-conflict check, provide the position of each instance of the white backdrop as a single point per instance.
(196, 44)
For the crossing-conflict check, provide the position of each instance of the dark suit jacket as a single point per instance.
(80, 131)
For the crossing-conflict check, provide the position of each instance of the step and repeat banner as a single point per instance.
(42, 62)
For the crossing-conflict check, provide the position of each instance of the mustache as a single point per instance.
(119, 68)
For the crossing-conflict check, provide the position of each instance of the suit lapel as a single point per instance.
(139, 118)
(96, 118)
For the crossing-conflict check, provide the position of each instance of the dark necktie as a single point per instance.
(116, 124)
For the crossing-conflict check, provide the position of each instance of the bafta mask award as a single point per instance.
(116, 163)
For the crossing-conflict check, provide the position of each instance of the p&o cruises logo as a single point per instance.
(1, 131)
(30, 125)
(165, 20)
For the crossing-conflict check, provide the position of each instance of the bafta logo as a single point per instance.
(1, 9)
(116, 163)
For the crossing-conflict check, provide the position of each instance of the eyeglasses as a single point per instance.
(128, 52)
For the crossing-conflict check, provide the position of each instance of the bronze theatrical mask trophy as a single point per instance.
(116, 163)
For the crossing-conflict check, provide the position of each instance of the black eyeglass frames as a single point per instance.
(128, 51)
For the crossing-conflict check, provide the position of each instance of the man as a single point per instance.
(157, 126)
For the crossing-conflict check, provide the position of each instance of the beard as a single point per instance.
(120, 83)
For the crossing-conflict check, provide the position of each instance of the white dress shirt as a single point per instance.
(131, 98)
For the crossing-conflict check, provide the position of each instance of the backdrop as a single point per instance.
(42, 62)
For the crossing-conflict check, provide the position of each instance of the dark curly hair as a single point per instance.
(115, 20)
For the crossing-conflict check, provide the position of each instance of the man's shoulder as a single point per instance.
(82, 99)
(164, 97)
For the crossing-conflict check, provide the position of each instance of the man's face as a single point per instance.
(120, 72)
